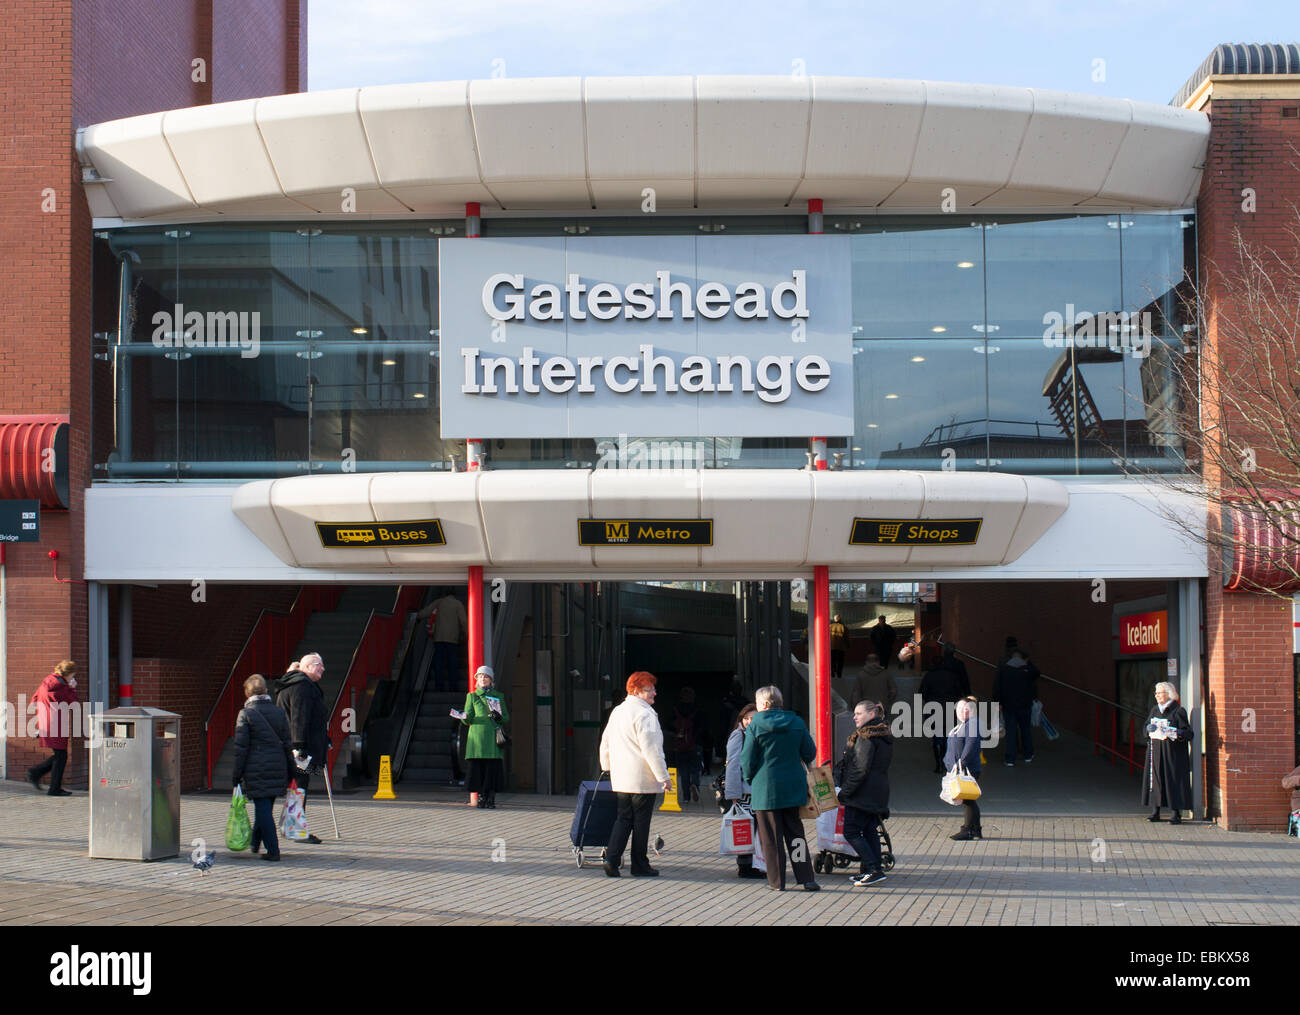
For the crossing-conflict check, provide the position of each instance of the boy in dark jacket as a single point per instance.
(263, 760)
(863, 777)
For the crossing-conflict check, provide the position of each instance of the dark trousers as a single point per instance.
(304, 780)
(445, 657)
(1018, 732)
(54, 765)
(860, 831)
(779, 832)
(264, 826)
(837, 663)
(940, 747)
(971, 812)
(634, 810)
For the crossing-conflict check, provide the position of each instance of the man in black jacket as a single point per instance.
(1014, 689)
(304, 703)
(882, 640)
(946, 684)
(264, 762)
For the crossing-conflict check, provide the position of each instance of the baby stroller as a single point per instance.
(834, 851)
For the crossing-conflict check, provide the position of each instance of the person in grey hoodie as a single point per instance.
(776, 745)
(734, 786)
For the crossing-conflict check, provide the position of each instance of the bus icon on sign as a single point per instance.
(616, 531)
(355, 536)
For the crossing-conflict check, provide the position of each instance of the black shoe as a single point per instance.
(965, 835)
(271, 859)
(312, 839)
(811, 886)
(649, 872)
(34, 779)
(751, 872)
(977, 832)
(1154, 816)
(611, 870)
(1177, 819)
(59, 792)
(482, 804)
(867, 880)
(491, 805)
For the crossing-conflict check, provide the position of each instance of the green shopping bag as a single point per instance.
(239, 833)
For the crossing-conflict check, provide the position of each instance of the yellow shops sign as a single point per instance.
(915, 531)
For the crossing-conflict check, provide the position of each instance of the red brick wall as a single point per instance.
(62, 65)
(1249, 658)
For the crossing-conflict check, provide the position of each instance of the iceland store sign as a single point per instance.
(669, 336)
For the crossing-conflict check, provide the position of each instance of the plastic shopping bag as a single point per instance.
(737, 832)
(1049, 730)
(239, 833)
(1036, 714)
(293, 822)
(830, 833)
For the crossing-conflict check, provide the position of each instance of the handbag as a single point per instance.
(821, 792)
(959, 785)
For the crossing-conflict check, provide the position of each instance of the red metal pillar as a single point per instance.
(820, 631)
(475, 634)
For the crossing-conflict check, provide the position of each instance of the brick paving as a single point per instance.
(428, 859)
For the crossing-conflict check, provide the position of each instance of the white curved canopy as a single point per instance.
(597, 143)
(763, 520)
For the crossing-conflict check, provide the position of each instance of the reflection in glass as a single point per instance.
(916, 400)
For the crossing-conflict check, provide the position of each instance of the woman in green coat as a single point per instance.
(485, 713)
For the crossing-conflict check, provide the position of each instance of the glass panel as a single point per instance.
(915, 399)
(1037, 268)
(1152, 400)
(373, 375)
(1154, 262)
(242, 391)
(916, 277)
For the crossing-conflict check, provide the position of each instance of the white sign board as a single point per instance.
(661, 336)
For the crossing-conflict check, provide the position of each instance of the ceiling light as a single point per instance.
(873, 426)
(418, 394)
(891, 396)
(938, 329)
(360, 331)
(965, 264)
(390, 362)
(918, 359)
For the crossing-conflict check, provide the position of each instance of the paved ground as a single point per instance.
(427, 858)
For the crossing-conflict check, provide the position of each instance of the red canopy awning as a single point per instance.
(34, 459)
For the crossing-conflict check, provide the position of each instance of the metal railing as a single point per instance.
(275, 634)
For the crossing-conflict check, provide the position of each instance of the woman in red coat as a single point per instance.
(59, 690)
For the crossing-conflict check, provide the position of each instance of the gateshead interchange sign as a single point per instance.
(669, 336)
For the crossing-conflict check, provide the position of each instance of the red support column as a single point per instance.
(820, 632)
(474, 639)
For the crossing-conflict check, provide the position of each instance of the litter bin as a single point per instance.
(135, 800)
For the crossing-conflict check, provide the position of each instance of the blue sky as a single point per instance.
(1148, 48)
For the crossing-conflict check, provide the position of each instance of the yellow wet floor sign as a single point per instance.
(670, 798)
(385, 791)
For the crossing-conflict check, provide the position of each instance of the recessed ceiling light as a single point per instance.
(965, 264)
(873, 426)
(938, 328)
(359, 331)
(891, 396)
(918, 359)
(419, 394)
(390, 362)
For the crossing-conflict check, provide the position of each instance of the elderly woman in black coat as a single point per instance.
(263, 760)
(863, 777)
(1167, 779)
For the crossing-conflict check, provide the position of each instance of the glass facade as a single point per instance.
(1031, 344)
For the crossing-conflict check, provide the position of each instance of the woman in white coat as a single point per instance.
(632, 752)
(735, 787)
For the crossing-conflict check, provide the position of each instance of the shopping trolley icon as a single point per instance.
(889, 532)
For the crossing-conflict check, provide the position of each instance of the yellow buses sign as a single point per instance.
(384, 535)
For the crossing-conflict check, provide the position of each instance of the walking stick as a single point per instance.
(330, 793)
